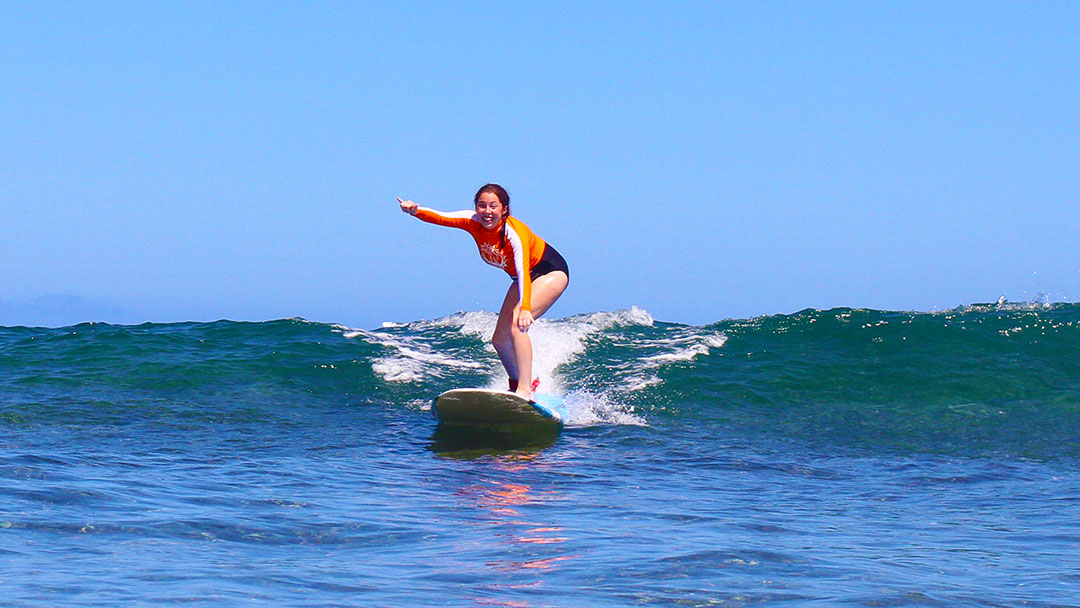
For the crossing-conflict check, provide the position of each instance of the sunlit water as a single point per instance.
(829, 458)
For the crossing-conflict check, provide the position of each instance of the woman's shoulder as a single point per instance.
(512, 220)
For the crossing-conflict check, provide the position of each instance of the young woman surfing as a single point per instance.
(538, 272)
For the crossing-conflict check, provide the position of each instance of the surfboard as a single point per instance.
(486, 407)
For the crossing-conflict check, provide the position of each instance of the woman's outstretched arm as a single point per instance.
(456, 219)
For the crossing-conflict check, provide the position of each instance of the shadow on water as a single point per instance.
(468, 442)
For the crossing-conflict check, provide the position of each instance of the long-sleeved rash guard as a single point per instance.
(520, 251)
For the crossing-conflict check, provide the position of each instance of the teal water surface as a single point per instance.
(826, 458)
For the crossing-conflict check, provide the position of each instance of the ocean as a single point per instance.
(841, 457)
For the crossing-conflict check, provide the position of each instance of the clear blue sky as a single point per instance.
(175, 161)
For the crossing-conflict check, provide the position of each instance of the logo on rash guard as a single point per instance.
(493, 255)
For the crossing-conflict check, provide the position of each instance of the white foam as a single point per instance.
(687, 348)
(560, 342)
(686, 354)
(590, 409)
(412, 360)
(637, 383)
(475, 323)
(398, 370)
(556, 342)
(625, 317)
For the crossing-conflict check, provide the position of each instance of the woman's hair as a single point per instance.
(504, 198)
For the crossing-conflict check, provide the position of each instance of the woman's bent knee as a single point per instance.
(502, 341)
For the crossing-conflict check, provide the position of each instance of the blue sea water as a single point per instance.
(826, 458)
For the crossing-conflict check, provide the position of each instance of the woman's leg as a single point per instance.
(512, 344)
(502, 339)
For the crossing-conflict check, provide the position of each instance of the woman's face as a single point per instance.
(489, 210)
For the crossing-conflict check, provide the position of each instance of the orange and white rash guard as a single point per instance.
(517, 254)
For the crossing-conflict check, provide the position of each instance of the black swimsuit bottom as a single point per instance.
(549, 262)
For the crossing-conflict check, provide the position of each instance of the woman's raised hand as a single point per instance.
(408, 206)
